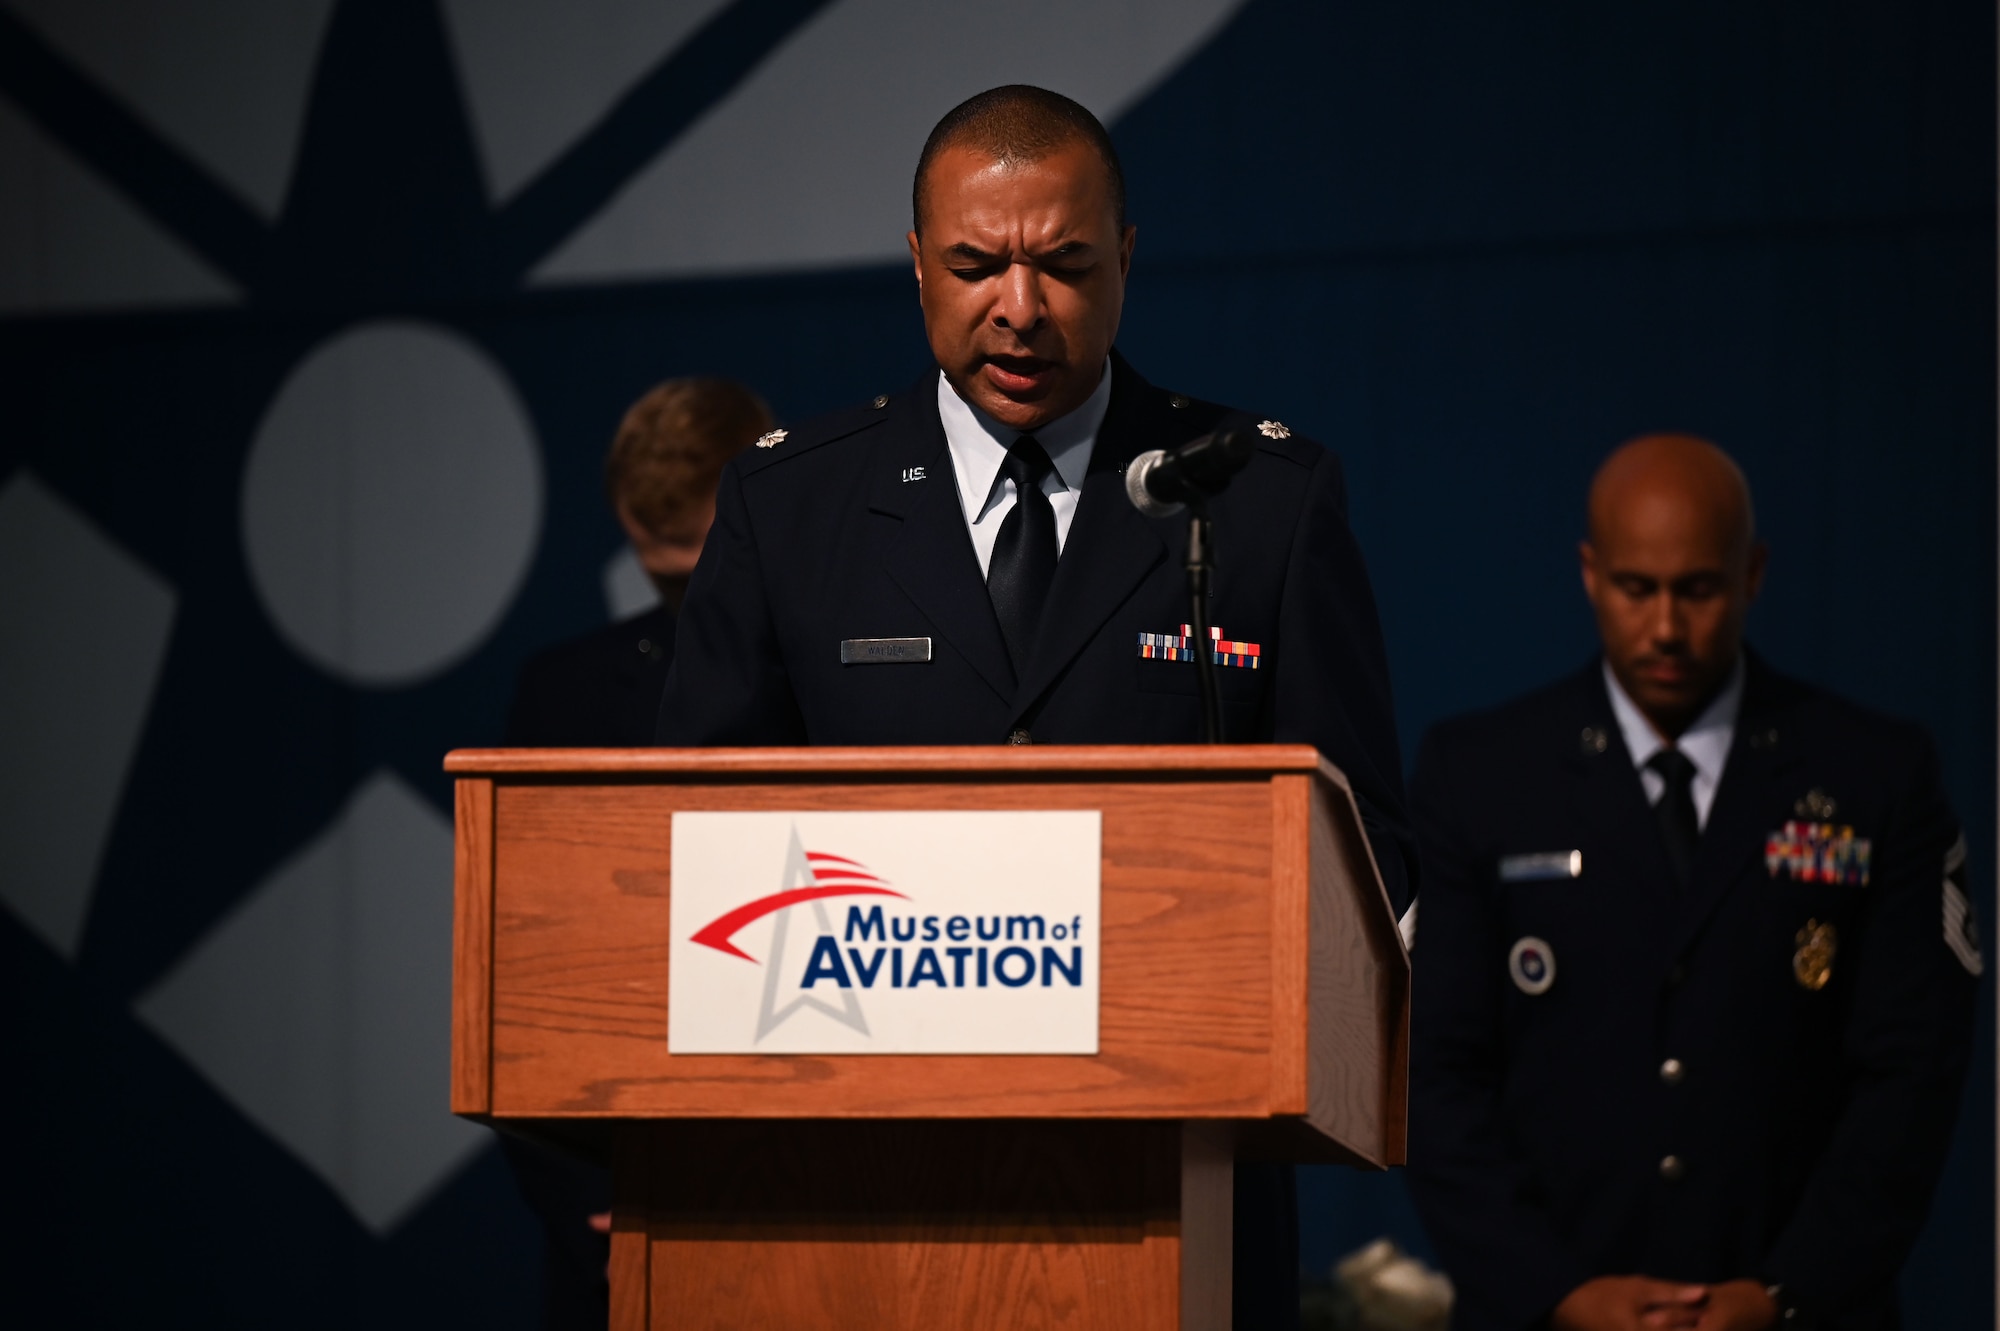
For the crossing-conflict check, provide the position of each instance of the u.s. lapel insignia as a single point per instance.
(1812, 964)
(1180, 647)
(1816, 804)
(769, 439)
(1273, 430)
(1818, 853)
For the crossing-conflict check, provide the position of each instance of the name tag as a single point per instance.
(1541, 867)
(884, 651)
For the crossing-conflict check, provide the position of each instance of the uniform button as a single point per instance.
(1671, 1168)
(1020, 737)
(1671, 1072)
(645, 646)
(881, 401)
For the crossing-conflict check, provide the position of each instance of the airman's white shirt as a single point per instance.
(1706, 742)
(978, 446)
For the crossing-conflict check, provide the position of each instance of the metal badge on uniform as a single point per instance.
(1541, 867)
(1818, 853)
(1180, 647)
(1532, 966)
(771, 438)
(884, 651)
(1812, 964)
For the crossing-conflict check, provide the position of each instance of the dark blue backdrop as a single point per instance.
(1470, 245)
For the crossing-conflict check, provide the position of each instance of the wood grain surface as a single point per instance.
(631, 1265)
(581, 933)
(1250, 969)
(910, 1226)
(1003, 759)
(1357, 988)
(1253, 1001)
(1291, 880)
(472, 949)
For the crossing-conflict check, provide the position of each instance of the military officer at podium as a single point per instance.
(959, 563)
(1696, 964)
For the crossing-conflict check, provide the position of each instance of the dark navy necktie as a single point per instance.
(1024, 553)
(1680, 825)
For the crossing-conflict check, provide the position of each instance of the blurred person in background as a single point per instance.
(1696, 967)
(603, 690)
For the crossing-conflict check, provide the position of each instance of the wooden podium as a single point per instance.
(1253, 1003)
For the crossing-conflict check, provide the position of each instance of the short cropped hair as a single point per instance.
(1018, 123)
(666, 460)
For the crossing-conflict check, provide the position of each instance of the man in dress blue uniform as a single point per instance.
(1695, 967)
(959, 564)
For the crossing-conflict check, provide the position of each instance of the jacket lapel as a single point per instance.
(1734, 832)
(1610, 795)
(1111, 547)
(930, 555)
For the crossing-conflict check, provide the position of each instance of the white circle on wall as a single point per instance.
(392, 502)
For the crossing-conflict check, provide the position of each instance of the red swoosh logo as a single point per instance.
(718, 932)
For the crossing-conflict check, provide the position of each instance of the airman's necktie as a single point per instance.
(1024, 553)
(1680, 825)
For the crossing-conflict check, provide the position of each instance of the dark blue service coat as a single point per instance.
(851, 527)
(601, 690)
(1678, 1101)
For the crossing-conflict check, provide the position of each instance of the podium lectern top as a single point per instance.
(1250, 971)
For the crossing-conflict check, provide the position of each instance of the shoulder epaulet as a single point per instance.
(1276, 437)
(826, 428)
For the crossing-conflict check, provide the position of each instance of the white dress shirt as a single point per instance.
(979, 445)
(1706, 742)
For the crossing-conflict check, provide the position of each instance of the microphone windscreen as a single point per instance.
(1142, 498)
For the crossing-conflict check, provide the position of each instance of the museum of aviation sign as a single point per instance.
(884, 933)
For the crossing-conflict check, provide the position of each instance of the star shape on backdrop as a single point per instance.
(228, 883)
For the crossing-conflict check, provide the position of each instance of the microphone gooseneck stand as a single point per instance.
(1162, 482)
(1200, 561)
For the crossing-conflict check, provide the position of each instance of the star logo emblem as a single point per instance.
(809, 878)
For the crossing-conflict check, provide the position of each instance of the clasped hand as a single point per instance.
(1640, 1303)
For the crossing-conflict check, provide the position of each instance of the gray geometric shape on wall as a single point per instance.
(806, 163)
(538, 74)
(321, 1005)
(392, 501)
(69, 242)
(82, 640)
(226, 81)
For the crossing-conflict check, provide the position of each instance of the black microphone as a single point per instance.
(1162, 482)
